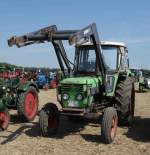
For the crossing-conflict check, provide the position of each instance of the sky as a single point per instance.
(127, 21)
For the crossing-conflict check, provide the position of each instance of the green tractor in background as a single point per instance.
(99, 83)
(135, 74)
(144, 81)
(19, 95)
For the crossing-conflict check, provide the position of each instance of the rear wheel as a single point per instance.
(4, 119)
(125, 101)
(28, 104)
(130, 115)
(49, 119)
(109, 125)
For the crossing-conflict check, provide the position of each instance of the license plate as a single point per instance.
(73, 104)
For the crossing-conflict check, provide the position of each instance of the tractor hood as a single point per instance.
(93, 81)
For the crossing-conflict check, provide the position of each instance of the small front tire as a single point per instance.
(109, 125)
(49, 120)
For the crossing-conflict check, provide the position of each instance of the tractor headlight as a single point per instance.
(3, 87)
(65, 96)
(8, 90)
(148, 81)
(79, 97)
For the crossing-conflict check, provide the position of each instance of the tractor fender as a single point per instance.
(25, 86)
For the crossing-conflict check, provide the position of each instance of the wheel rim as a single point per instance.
(4, 120)
(30, 105)
(113, 127)
(51, 122)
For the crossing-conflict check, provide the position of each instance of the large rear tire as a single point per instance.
(109, 125)
(28, 104)
(125, 101)
(4, 119)
(49, 120)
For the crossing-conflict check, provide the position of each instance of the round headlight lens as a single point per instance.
(148, 81)
(3, 87)
(8, 89)
(65, 96)
(79, 97)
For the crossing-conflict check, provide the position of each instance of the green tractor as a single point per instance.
(144, 82)
(20, 96)
(99, 83)
(135, 74)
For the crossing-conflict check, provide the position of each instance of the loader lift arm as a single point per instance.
(77, 37)
(40, 36)
(89, 34)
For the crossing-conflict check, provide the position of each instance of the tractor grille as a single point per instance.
(72, 87)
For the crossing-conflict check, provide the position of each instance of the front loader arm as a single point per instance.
(39, 36)
(87, 34)
(49, 34)
(90, 34)
(45, 34)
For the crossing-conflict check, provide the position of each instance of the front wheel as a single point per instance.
(4, 120)
(109, 125)
(49, 119)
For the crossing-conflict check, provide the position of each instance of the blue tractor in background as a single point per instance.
(42, 80)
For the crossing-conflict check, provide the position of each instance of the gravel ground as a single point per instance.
(78, 138)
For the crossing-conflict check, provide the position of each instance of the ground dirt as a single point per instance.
(78, 138)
